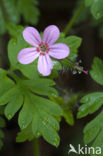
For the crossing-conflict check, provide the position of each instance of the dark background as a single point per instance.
(59, 12)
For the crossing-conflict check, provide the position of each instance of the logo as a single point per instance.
(84, 150)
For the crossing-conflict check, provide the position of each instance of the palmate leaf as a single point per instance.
(40, 112)
(96, 7)
(43, 119)
(94, 132)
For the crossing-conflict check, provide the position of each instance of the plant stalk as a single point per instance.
(36, 149)
(73, 19)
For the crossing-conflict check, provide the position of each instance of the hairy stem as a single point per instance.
(73, 19)
(36, 147)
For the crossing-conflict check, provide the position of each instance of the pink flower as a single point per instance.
(43, 48)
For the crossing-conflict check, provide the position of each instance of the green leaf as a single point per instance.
(12, 10)
(98, 143)
(96, 7)
(5, 82)
(25, 115)
(89, 2)
(25, 134)
(29, 70)
(14, 30)
(36, 110)
(94, 132)
(8, 13)
(42, 119)
(10, 110)
(38, 87)
(67, 111)
(28, 10)
(18, 44)
(91, 103)
(56, 65)
(92, 128)
(96, 71)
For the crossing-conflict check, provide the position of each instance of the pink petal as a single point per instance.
(43, 66)
(32, 36)
(27, 55)
(51, 34)
(49, 61)
(59, 50)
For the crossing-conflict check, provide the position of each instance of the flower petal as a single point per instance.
(51, 34)
(32, 36)
(43, 66)
(59, 50)
(27, 55)
(49, 61)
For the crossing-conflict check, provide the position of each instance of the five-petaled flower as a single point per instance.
(43, 48)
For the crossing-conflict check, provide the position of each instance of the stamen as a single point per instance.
(42, 54)
(43, 48)
(41, 43)
(38, 50)
(47, 50)
(46, 45)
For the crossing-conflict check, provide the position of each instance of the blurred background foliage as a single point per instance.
(88, 26)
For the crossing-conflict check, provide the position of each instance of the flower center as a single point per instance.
(43, 48)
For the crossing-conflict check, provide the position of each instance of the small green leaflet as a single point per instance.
(12, 10)
(28, 9)
(97, 70)
(29, 96)
(90, 103)
(67, 111)
(93, 131)
(96, 7)
(8, 13)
